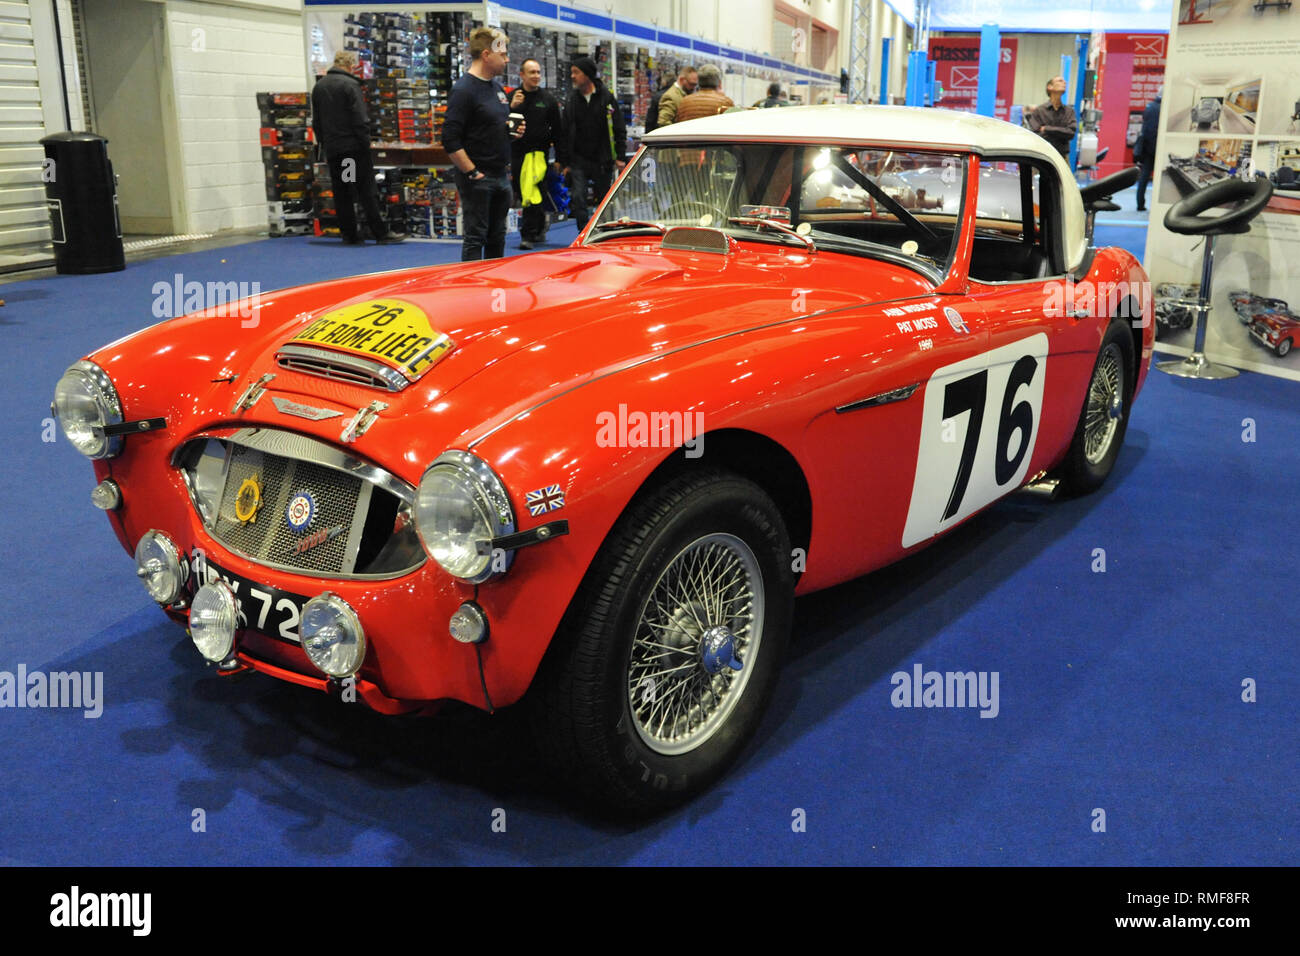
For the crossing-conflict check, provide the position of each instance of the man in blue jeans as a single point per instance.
(476, 135)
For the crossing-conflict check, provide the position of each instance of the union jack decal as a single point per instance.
(544, 499)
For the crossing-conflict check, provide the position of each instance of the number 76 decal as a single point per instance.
(978, 430)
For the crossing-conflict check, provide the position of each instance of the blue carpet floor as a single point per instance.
(1119, 691)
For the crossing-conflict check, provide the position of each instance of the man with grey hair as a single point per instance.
(342, 128)
(1054, 120)
(708, 99)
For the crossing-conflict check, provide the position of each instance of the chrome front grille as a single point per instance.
(269, 538)
(360, 524)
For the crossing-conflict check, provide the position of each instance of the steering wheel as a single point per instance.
(1185, 215)
(719, 217)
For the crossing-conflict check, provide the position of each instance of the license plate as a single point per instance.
(264, 609)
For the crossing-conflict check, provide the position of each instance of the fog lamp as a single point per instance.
(332, 636)
(158, 565)
(214, 616)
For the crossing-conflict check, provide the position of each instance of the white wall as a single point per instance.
(220, 55)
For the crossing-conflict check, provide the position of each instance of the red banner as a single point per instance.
(956, 71)
(1130, 73)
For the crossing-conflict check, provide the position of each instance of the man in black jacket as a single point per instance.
(476, 135)
(1144, 150)
(597, 135)
(544, 128)
(338, 118)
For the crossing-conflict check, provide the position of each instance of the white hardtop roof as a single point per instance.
(898, 126)
(869, 124)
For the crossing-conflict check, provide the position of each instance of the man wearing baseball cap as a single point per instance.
(597, 137)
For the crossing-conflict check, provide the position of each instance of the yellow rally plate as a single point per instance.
(391, 331)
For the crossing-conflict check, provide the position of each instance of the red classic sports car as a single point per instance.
(1270, 322)
(601, 475)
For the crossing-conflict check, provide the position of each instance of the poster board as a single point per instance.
(1231, 107)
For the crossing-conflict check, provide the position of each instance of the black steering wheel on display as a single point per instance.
(719, 216)
(1185, 217)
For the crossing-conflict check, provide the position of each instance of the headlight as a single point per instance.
(84, 402)
(214, 616)
(332, 636)
(461, 506)
(158, 565)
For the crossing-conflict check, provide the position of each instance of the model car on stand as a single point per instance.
(594, 480)
(1270, 322)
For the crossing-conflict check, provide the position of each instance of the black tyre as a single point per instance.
(1104, 417)
(666, 660)
(1283, 348)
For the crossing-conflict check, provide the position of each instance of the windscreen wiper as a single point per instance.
(626, 223)
(777, 225)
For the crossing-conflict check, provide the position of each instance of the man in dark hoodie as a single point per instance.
(338, 118)
(597, 135)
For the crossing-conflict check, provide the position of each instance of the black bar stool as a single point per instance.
(1185, 218)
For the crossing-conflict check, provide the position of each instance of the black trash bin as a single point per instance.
(82, 196)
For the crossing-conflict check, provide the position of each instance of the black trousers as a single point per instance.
(580, 173)
(484, 205)
(532, 224)
(1144, 179)
(355, 182)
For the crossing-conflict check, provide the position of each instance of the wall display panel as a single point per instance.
(1231, 107)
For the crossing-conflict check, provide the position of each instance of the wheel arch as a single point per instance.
(760, 459)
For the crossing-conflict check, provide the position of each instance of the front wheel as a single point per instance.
(664, 665)
(1104, 418)
(1283, 348)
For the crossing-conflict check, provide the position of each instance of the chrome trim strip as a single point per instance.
(884, 398)
(359, 516)
(646, 360)
(381, 375)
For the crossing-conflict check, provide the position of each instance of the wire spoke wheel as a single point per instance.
(1105, 404)
(696, 640)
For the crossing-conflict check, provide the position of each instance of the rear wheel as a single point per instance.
(665, 663)
(1104, 418)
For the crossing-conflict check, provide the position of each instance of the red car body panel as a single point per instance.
(768, 339)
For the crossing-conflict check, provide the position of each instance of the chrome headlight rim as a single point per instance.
(477, 476)
(231, 604)
(172, 558)
(107, 402)
(344, 611)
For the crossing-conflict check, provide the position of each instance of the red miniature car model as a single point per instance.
(1270, 321)
(602, 474)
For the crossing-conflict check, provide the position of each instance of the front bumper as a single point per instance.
(412, 662)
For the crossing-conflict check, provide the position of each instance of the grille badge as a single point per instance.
(309, 412)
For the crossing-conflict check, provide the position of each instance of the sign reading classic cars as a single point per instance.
(395, 332)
